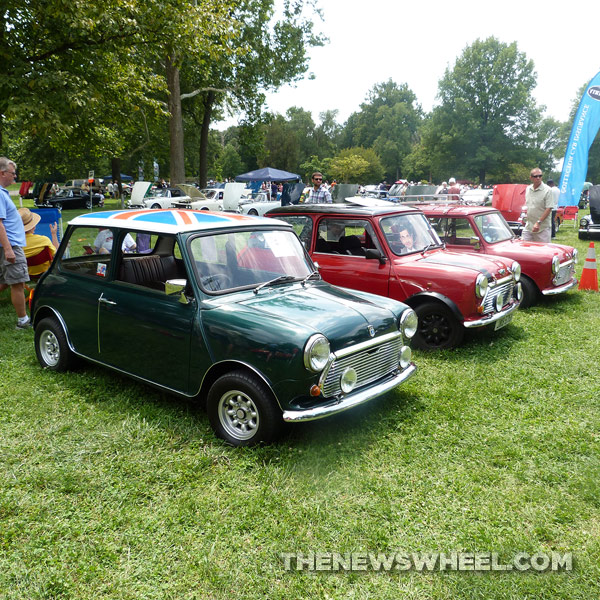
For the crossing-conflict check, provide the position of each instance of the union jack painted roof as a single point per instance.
(171, 220)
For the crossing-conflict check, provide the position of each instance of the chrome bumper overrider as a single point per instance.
(560, 289)
(350, 401)
(491, 319)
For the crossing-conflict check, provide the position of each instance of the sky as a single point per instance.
(371, 41)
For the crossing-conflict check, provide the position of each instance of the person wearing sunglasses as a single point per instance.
(319, 193)
(539, 202)
(13, 264)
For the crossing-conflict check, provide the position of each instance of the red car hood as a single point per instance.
(488, 265)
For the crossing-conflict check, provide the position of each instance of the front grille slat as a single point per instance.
(370, 365)
(505, 289)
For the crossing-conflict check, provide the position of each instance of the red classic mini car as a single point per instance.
(393, 251)
(546, 268)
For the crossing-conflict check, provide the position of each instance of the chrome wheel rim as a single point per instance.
(49, 348)
(238, 415)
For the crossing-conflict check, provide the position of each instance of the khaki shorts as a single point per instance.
(11, 273)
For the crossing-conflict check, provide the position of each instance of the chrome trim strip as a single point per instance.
(351, 401)
(561, 289)
(501, 281)
(487, 320)
(376, 341)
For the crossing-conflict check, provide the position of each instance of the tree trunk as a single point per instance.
(209, 100)
(177, 170)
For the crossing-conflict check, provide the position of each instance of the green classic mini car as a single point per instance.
(221, 307)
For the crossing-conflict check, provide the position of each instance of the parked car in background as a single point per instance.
(222, 308)
(199, 199)
(70, 198)
(368, 248)
(589, 225)
(477, 197)
(258, 204)
(547, 269)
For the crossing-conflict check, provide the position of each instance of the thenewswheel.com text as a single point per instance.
(425, 561)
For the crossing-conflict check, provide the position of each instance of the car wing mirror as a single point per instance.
(474, 241)
(174, 287)
(373, 253)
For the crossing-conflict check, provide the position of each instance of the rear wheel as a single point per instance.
(51, 347)
(242, 410)
(438, 327)
(88, 203)
(57, 205)
(155, 205)
(253, 212)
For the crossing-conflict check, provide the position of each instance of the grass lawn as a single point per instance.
(110, 489)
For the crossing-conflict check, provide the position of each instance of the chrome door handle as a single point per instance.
(105, 301)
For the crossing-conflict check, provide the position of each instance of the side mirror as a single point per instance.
(474, 241)
(373, 253)
(173, 287)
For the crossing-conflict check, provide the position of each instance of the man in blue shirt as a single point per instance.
(13, 265)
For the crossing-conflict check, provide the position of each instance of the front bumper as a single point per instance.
(360, 397)
(560, 289)
(488, 320)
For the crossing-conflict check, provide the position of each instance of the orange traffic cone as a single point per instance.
(589, 275)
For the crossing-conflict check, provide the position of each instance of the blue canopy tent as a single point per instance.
(123, 177)
(269, 174)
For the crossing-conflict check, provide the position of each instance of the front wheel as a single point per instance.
(242, 410)
(58, 205)
(51, 347)
(530, 293)
(155, 205)
(438, 328)
(253, 212)
(88, 203)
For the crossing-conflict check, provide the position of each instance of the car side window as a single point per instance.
(87, 252)
(463, 232)
(150, 269)
(345, 236)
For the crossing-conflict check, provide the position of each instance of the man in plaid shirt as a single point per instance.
(319, 194)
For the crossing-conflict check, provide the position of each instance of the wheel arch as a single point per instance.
(421, 298)
(44, 312)
(228, 366)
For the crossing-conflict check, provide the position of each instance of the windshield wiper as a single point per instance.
(310, 276)
(280, 279)
(423, 250)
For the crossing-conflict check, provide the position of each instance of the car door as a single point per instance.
(142, 330)
(342, 265)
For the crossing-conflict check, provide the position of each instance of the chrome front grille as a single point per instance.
(370, 365)
(505, 289)
(565, 273)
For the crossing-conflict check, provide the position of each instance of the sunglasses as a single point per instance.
(535, 176)
(317, 178)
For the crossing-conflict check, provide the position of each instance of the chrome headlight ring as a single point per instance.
(481, 285)
(555, 264)
(316, 353)
(516, 270)
(408, 323)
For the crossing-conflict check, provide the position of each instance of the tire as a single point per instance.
(530, 293)
(88, 203)
(155, 205)
(58, 205)
(51, 347)
(242, 410)
(438, 328)
(253, 212)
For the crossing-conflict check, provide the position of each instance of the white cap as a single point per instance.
(451, 180)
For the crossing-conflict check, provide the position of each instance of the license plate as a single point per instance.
(502, 321)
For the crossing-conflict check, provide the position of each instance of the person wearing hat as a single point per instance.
(453, 190)
(36, 243)
(13, 265)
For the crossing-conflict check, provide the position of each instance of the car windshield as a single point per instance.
(244, 259)
(493, 227)
(409, 233)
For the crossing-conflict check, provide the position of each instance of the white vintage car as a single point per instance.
(258, 204)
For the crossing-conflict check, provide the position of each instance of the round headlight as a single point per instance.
(499, 302)
(575, 255)
(481, 285)
(516, 269)
(555, 264)
(316, 353)
(405, 357)
(409, 323)
(348, 380)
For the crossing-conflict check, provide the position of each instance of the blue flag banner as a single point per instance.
(583, 133)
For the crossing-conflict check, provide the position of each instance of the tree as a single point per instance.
(487, 117)
(387, 122)
(356, 165)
